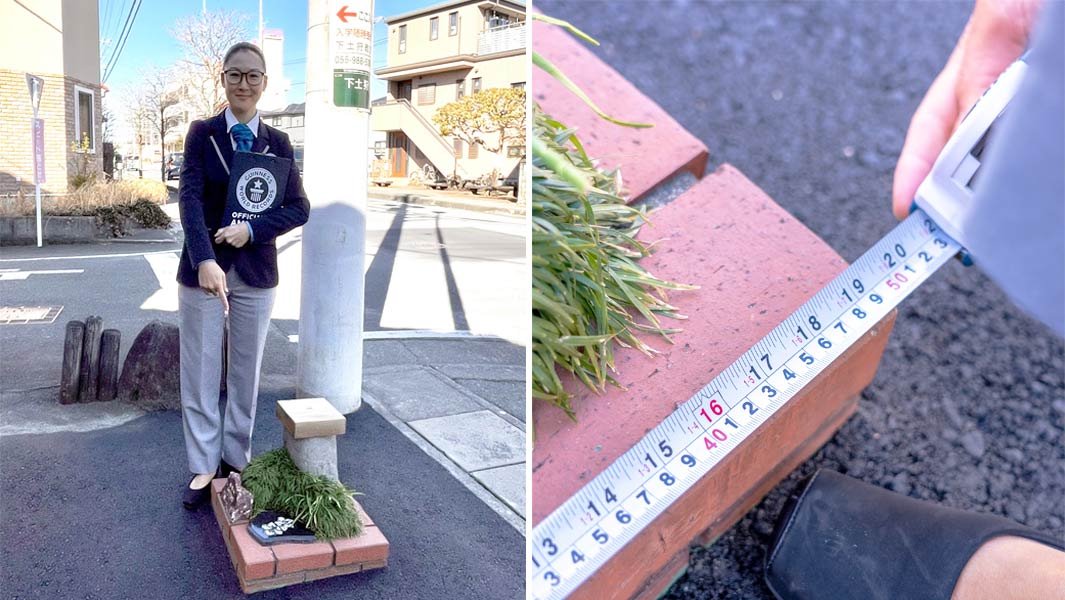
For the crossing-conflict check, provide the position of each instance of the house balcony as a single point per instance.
(502, 39)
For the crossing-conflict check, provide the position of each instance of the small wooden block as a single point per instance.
(310, 417)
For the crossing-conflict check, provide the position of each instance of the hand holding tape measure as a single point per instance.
(587, 530)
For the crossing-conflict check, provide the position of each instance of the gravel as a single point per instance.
(812, 101)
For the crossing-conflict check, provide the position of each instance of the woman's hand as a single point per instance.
(995, 36)
(213, 282)
(235, 235)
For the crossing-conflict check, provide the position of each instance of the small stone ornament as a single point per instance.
(236, 499)
(275, 528)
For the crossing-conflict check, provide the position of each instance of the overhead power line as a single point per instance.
(131, 18)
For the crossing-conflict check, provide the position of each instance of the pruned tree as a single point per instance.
(155, 107)
(491, 118)
(204, 39)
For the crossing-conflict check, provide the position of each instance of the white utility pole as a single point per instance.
(336, 161)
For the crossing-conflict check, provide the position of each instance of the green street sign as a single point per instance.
(351, 89)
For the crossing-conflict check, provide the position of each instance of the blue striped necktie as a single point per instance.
(242, 135)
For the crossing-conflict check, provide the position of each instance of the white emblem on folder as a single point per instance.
(256, 189)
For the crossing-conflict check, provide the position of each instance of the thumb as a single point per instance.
(999, 32)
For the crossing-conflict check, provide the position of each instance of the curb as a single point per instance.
(510, 209)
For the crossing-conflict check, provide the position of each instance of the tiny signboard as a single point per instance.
(350, 46)
(38, 150)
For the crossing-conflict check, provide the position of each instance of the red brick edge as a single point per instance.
(261, 567)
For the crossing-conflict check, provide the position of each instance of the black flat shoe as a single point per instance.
(224, 469)
(839, 538)
(191, 498)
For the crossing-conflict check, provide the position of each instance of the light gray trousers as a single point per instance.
(209, 437)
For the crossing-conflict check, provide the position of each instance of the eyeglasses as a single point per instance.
(233, 77)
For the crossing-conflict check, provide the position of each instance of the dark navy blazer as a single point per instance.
(204, 185)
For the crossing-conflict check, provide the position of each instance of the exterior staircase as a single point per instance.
(399, 115)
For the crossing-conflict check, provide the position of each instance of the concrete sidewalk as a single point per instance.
(462, 400)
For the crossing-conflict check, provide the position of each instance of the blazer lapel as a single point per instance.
(262, 138)
(222, 143)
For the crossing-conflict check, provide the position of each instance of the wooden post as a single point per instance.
(90, 360)
(68, 385)
(110, 341)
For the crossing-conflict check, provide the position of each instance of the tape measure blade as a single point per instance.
(642, 479)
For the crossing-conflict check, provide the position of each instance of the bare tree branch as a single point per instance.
(204, 39)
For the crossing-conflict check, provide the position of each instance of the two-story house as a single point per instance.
(437, 55)
(58, 41)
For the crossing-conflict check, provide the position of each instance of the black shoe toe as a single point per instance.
(191, 498)
(840, 538)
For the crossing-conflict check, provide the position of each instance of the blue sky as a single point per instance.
(150, 42)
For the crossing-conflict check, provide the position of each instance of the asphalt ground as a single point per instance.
(133, 539)
(811, 100)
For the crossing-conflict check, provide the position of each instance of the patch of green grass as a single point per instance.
(589, 292)
(321, 504)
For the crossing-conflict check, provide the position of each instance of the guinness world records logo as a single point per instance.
(256, 189)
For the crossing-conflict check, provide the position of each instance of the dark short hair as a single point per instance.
(245, 46)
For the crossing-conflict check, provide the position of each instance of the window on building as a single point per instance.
(427, 94)
(434, 28)
(473, 151)
(85, 116)
(515, 151)
(476, 85)
(520, 85)
(495, 19)
(460, 88)
(458, 147)
(297, 121)
(402, 39)
(453, 23)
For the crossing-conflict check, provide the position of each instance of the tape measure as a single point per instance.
(581, 535)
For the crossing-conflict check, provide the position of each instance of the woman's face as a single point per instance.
(243, 96)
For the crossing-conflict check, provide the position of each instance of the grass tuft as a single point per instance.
(589, 292)
(323, 505)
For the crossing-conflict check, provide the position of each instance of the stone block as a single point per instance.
(316, 455)
(151, 373)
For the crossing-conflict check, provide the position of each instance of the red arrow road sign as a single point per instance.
(344, 14)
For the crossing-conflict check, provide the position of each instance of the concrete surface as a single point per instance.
(811, 101)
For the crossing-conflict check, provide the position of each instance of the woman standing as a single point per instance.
(227, 272)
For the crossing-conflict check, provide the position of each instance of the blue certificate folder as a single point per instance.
(257, 184)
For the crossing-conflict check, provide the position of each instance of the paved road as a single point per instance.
(811, 100)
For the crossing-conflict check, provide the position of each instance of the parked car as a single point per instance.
(173, 165)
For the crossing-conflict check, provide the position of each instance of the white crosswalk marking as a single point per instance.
(17, 275)
(164, 266)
